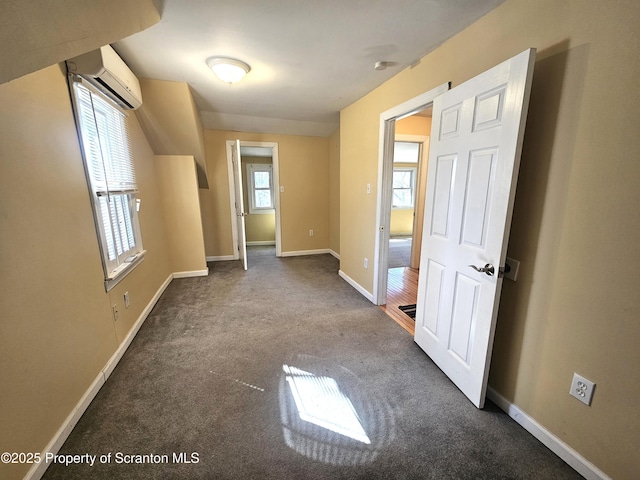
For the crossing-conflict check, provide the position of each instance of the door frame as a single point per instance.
(232, 191)
(385, 175)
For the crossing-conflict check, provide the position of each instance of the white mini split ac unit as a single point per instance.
(106, 71)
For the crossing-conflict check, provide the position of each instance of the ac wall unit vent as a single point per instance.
(106, 71)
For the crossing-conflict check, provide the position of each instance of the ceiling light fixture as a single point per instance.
(229, 70)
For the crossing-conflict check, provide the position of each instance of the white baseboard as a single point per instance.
(115, 358)
(363, 291)
(259, 243)
(299, 253)
(221, 258)
(37, 470)
(576, 461)
(226, 258)
(194, 273)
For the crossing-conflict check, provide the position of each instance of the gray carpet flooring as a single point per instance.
(286, 372)
(400, 252)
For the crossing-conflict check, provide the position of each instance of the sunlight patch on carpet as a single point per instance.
(320, 401)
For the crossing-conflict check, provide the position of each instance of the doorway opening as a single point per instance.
(419, 109)
(410, 157)
(254, 199)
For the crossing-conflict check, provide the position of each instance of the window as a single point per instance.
(404, 183)
(111, 177)
(406, 152)
(404, 176)
(260, 181)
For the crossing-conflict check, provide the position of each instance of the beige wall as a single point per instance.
(414, 125)
(178, 184)
(70, 29)
(260, 227)
(57, 330)
(334, 191)
(575, 306)
(304, 205)
(171, 122)
(401, 222)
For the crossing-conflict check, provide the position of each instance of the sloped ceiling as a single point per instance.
(36, 34)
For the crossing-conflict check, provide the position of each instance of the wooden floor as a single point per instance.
(402, 289)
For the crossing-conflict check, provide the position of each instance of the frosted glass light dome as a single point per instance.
(229, 70)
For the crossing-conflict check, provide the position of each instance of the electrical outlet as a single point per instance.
(512, 271)
(311, 233)
(582, 389)
(368, 189)
(115, 312)
(126, 299)
(366, 262)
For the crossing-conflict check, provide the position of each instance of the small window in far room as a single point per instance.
(405, 155)
(404, 183)
(260, 183)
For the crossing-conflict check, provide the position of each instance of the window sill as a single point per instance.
(123, 270)
(264, 211)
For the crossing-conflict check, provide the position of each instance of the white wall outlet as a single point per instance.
(513, 267)
(368, 188)
(126, 299)
(582, 389)
(311, 233)
(115, 312)
(281, 188)
(366, 262)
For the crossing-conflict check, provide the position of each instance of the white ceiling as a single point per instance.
(309, 59)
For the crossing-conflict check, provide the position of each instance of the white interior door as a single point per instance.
(240, 211)
(476, 141)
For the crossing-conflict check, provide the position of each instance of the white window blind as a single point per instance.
(406, 152)
(111, 175)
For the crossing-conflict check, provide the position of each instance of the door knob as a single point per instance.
(488, 269)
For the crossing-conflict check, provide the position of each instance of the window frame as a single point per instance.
(412, 187)
(259, 167)
(122, 208)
